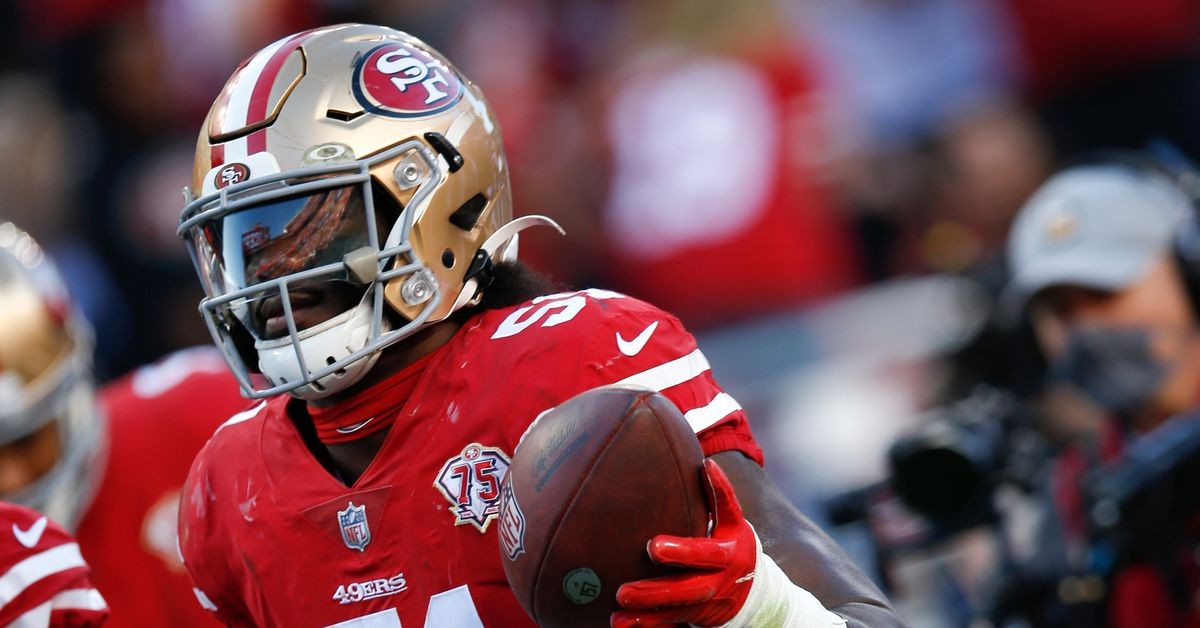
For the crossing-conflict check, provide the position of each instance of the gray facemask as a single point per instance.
(1113, 366)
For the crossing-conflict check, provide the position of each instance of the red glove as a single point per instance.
(720, 569)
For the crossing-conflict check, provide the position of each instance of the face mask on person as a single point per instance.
(1113, 366)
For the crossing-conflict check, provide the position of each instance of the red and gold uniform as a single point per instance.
(272, 538)
(158, 417)
(43, 577)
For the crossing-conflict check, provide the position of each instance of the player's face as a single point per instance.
(27, 459)
(289, 236)
(311, 306)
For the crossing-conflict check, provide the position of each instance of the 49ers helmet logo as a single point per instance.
(403, 81)
(230, 174)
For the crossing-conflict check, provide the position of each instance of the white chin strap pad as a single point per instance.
(504, 235)
(328, 343)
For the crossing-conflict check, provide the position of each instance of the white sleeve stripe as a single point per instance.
(244, 415)
(75, 599)
(36, 617)
(669, 374)
(205, 603)
(720, 407)
(38, 566)
(84, 599)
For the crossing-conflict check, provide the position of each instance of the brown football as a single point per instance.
(590, 483)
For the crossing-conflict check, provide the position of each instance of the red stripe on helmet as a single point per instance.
(260, 96)
(257, 142)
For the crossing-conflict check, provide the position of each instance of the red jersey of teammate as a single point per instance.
(43, 578)
(271, 538)
(158, 418)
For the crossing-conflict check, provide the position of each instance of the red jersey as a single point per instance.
(43, 578)
(271, 538)
(158, 417)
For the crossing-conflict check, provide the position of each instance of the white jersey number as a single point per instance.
(448, 609)
(565, 307)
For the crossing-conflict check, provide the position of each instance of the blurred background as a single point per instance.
(820, 189)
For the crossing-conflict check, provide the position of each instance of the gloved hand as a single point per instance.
(721, 569)
(726, 579)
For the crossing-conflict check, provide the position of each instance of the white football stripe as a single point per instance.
(720, 407)
(38, 566)
(669, 374)
(86, 599)
(239, 101)
(237, 149)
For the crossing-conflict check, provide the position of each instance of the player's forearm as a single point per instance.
(868, 615)
(807, 555)
(813, 561)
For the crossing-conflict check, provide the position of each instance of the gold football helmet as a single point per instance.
(50, 429)
(353, 154)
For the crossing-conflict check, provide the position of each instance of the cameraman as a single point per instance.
(1098, 269)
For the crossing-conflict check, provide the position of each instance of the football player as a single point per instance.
(43, 578)
(105, 464)
(351, 222)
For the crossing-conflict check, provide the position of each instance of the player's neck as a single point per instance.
(347, 461)
(350, 460)
(395, 358)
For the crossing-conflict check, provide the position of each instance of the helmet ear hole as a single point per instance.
(468, 213)
(448, 258)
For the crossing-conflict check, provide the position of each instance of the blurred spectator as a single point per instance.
(713, 209)
(1093, 258)
(1106, 73)
(930, 143)
(900, 70)
(1112, 301)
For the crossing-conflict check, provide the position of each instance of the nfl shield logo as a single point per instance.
(355, 531)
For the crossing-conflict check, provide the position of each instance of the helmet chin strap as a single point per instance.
(504, 235)
(341, 336)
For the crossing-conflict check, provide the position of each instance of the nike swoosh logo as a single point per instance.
(635, 346)
(29, 538)
(350, 429)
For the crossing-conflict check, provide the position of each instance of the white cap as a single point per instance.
(1095, 226)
